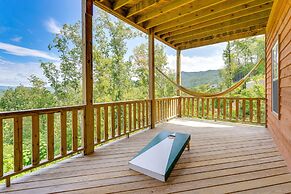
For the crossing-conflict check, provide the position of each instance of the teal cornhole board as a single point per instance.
(159, 157)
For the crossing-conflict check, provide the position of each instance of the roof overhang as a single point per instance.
(184, 24)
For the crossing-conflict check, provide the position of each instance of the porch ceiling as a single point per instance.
(184, 24)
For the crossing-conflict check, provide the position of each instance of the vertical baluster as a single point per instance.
(75, 130)
(207, 107)
(258, 111)
(138, 115)
(192, 107)
(244, 109)
(218, 108)
(167, 109)
(134, 116)
(197, 107)
(1, 147)
(188, 106)
(147, 113)
(237, 109)
(112, 120)
(129, 117)
(184, 106)
(106, 122)
(230, 109)
(98, 124)
(212, 111)
(18, 154)
(119, 119)
(224, 108)
(170, 108)
(202, 107)
(63, 133)
(143, 114)
(124, 118)
(162, 110)
(251, 110)
(50, 136)
(35, 140)
(159, 110)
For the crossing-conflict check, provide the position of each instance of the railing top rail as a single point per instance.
(119, 102)
(234, 98)
(30, 112)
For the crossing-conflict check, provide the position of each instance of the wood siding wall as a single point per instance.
(279, 28)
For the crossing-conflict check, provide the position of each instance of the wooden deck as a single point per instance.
(224, 158)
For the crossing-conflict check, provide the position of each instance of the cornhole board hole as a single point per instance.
(159, 157)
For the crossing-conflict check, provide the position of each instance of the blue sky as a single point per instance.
(27, 27)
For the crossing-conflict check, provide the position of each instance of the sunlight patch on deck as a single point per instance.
(197, 124)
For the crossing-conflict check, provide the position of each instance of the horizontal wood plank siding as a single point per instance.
(279, 25)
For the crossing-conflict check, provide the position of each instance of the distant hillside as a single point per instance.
(3, 88)
(193, 79)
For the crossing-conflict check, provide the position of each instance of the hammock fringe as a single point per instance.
(199, 94)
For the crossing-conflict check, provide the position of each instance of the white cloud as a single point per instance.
(197, 63)
(52, 26)
(22, 51)
(16, 39)
(14, 74)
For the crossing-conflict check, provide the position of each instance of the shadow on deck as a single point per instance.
(224, 157)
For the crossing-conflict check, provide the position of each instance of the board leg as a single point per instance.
(188, 146)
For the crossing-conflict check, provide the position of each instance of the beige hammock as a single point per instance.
(199, 94)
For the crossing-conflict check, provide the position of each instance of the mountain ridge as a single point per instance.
(194, 79)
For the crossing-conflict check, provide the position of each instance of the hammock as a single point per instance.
(199, 94)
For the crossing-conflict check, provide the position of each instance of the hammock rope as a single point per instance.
(200, 94)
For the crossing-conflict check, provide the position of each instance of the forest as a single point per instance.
(116, 77)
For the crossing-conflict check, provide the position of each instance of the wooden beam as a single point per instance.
(178, 71)
(120, 15)
(180, 12)
(141, 6)
(224, 38)
(152, 77)
(244, 15)
(254, 24)
(210, 26)
(168, 7)
(88, 123)
(207, 14)
(119, 3)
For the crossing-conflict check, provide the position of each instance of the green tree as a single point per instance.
(139, 61)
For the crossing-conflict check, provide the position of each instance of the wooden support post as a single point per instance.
(152, 96)
(8, 182)
(88, 124)
(178, 80)
(178, 71)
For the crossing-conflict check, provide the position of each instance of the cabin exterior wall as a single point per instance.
(278, 29)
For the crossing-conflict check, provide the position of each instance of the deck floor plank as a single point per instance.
(224, 157)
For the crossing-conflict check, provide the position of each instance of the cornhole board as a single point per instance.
(159, 157)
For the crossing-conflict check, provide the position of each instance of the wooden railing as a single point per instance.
(52, 120)
(244, 110)
(116, 119)
(166, 108)
(62, 126)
